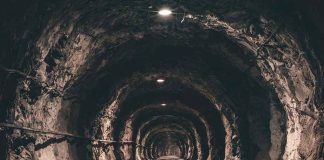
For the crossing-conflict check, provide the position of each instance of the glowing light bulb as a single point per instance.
(165, 12)
(163, 104)
(189, 16)
(160, 80)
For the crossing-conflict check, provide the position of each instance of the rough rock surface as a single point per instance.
(243, 80)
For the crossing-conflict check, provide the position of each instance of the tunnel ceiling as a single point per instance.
(106, 80)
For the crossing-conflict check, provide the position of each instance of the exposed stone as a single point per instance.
(243, 80)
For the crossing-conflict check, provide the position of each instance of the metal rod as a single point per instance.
(7, 125)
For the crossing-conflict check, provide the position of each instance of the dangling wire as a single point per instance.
(68, 135)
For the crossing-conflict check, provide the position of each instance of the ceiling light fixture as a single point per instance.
(160, 80)
(165, 12)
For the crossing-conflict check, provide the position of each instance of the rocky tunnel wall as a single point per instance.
(242, 81)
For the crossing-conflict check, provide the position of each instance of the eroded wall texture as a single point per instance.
(115, 80)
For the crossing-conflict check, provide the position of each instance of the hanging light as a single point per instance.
(165, 12)
(160, 80)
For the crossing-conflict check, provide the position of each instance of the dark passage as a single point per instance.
(161, 80)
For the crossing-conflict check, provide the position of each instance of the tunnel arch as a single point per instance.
(83, 62)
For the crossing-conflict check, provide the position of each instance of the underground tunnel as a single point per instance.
(161, 80)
